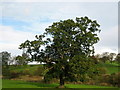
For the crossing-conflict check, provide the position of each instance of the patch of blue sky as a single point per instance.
(6, 42)
(19, 25)
(13, 22)
(0, 22)
(45, 20)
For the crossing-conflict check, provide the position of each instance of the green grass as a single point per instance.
(24, 67)
(85, 86)
(24, 84)
(0, 83)
(111, 68)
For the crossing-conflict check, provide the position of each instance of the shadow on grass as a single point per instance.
(39, 85)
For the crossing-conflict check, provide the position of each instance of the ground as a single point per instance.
(27, 81)
(24, 84)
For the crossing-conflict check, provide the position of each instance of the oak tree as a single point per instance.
(67, 52)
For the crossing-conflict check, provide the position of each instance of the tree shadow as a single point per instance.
(39, 85)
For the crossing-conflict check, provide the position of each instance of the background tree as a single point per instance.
(111, 56)
(22, 60)
(5, 58)
(67, 54)
(97, 58)
(5, 63)
(117, 59)
(105, 57)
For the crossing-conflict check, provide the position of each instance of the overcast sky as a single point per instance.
(20, 21)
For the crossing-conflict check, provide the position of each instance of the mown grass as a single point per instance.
(0, 83)
(24, 84)
(85, 86)
(111, 68)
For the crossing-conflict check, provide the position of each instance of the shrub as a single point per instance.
(14, 74)
(39, 71)
(104, 84)
(84, 78)
(102, 70)
(113, 79)
(91, 82)
(104, 78)
(26, 72)
(47, 78)
(5, 72)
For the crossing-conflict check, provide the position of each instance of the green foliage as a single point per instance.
(107, 57)
(23, 59)
(111, 56)
(117, 59)
(5, 64)
(16, 71)
(68, 53)
(102, 70)
(39, 71)
(72, 45)
(5, 58)
(112, 79)
(5, 71)
(82, 67)
(47, 78)
(27, 72)
(33, 47)
(14, 74)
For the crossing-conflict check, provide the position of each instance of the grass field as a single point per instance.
(111, 68)
(0, 83)
(24, 84)
(20, 68)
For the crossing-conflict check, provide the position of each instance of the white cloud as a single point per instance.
(34, 12)
(10, 47)
(31, 12)
(37, 27)
(108, 41)
(10, 39)
(60, 0)
(109, 37)
(100, 49)
(8, 34)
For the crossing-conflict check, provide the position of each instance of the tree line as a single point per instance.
(24, 59)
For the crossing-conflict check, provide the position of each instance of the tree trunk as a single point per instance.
(61, 80)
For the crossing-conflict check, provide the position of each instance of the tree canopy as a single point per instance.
(5, 57)
(22, 60)
(67, 52)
